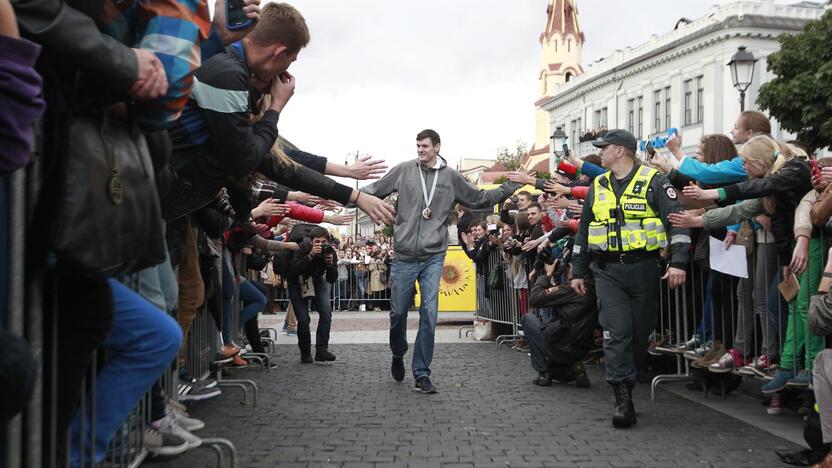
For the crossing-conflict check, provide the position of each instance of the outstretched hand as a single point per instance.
(685, 219)
(378, 210)
(521, 178)
(365, 167)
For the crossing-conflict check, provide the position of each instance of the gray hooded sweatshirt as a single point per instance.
(417, 238)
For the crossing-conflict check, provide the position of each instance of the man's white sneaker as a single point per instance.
(168, 425)
(185, 422)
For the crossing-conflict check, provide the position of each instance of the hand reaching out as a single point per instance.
(365, 168)
(521, 178)
(685, 219)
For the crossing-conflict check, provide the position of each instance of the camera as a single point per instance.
(327, 249)
(493, 230)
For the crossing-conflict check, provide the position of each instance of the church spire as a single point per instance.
(561, 44)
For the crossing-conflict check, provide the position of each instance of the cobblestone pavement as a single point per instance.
(351, 414)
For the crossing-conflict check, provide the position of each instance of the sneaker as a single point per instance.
(292, 333)
(163, 445)
(185, 422)
(229, 351)
(177, 406)
(199, 394)
(759, 367)
(167, 425)
(728, 362)
(715, 351)
(801, 380)
(397, 368)
(778, 383)
(775, 404)
(689, 345)
(362, 308)
(543, 380)
(698, 352)
(324, 356)
(424, 385)
(238, 363)
(376, 309)
(306, 358)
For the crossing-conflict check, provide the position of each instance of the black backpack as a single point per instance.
(299, 234)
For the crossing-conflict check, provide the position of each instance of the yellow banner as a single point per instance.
(458, 287)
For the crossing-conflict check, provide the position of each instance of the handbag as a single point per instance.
(745, 237)
(821, 210)
(107, 221)
(496, 278)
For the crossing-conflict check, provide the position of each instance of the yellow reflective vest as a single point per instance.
(630, 219)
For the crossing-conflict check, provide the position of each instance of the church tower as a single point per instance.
(560, 60)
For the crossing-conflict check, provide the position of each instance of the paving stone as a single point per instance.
(352, 415)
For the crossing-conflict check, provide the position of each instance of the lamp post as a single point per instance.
(742, 66)
(559, 148)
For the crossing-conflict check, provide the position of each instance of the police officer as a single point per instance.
(623, 229)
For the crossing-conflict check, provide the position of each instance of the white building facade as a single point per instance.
(679, 79)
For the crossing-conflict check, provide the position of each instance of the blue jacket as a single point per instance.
(723, 172)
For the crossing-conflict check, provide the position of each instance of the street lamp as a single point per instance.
(742, 66)
(559, 144)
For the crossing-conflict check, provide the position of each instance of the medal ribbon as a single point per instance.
(428, 198)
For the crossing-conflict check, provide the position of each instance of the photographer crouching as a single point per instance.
(313, 265)
(559, 344)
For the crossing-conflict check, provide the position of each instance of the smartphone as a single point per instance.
(235, 16)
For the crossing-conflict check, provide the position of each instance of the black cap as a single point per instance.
(617, 137)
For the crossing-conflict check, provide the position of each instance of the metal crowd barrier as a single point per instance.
(501, 305)
(735, 323)
(350, 293)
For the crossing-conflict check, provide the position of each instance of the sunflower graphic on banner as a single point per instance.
(457, 289)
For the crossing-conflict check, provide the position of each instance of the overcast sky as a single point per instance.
(378, 71)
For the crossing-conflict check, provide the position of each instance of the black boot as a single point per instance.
(581, 379)
(543, 379)
(625, 413)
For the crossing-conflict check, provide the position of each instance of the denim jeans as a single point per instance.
(404, 275)
(361, 286)
(253, 303)
(324, 307)
(143, 342)
(705, 330)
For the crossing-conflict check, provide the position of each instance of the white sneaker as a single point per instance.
(185, 422)
(362, 308)
(168, 425)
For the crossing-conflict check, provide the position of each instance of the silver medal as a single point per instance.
(426, 213)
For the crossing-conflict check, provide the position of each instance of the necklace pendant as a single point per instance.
(426, 213)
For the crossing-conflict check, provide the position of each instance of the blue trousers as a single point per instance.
(141, 345)
(404, 277)
(253, 302)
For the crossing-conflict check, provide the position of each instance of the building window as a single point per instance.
(700, 100)
(580, 125)
(568, 76)
(688, 102)
(657, 111)
(574, 133)
(631, 116)
(569, 45)
(640, 117)
(604, 117)
(667, 108)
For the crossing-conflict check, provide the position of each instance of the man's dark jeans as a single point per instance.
(324, 308)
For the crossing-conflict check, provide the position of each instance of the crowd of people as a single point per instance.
(171, 156)
(605, 233)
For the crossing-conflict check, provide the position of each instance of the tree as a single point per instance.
(500, 180)
(511, 161)
(800, 97)
(387, 230)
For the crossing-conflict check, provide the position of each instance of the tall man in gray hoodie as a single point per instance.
(428, 190)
